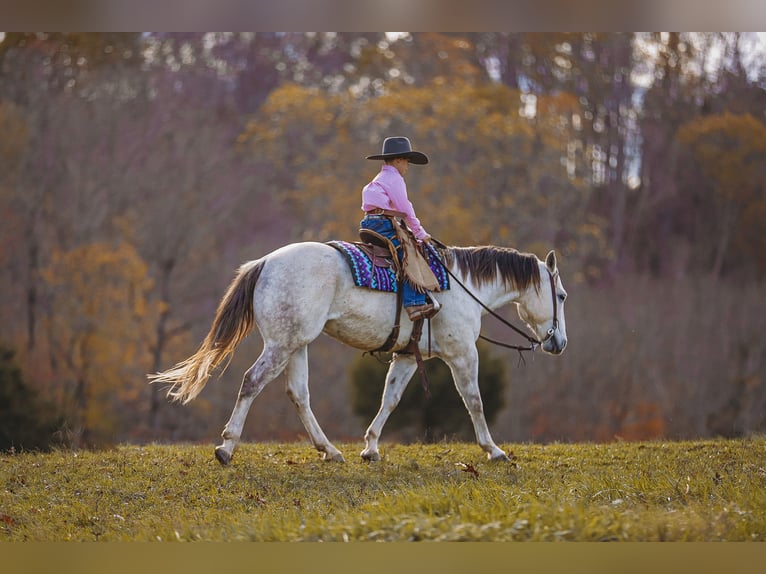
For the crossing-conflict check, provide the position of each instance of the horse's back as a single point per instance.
(307, 262)
(302, 251)
(307, 287)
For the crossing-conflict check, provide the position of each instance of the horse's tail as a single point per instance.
(233, 322)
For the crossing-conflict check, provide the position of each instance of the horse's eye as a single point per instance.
(562, 297)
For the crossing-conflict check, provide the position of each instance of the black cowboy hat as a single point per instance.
(400, 147)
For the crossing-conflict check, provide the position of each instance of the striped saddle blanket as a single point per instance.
(367, 274)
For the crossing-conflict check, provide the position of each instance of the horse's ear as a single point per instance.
(550, 261)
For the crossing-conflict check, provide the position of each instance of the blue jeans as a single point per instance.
(383, 225)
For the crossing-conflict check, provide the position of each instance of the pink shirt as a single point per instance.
(389, 191)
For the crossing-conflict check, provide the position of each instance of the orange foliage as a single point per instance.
(100, 331)
(644, 421)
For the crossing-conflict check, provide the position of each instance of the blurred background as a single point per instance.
(138, 171)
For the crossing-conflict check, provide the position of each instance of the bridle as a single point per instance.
(534, 341)
(555, 301)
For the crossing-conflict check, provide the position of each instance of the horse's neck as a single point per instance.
(495, 294)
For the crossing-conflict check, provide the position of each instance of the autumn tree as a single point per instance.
(36, 70)
(99, 329)
(122, 153)
(728, 150)
(193, 204)
(672, 98)
(594, 71)
(528, 172)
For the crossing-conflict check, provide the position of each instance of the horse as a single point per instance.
(302, 290)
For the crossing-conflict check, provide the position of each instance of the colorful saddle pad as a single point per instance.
(367, 275)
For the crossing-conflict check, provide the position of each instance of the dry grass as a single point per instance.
(701, 491)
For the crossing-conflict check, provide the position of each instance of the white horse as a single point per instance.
(301, 290)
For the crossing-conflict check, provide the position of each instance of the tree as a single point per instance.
(528, 173)
(100, 331)
(13, 140)
(38, 71)
(596, 70)
(672, 98)
(692, 76)
(25, 421)
(190, 201)
(430, 419)
(728, 150)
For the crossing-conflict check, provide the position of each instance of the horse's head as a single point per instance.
(543, 309)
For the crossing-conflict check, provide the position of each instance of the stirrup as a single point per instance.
(425, 311)
(436, 304)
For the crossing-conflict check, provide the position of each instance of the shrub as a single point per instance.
(25, 421)
(418, 417)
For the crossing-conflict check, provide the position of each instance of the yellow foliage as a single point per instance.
(495, 176)
(101, 328)
(729, 148)
(450, 56)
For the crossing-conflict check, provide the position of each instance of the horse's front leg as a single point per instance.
(465, 372)
(399, 374)
(298, 391)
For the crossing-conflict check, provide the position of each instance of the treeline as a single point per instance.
(138, 170)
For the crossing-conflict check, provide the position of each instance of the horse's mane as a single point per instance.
(487, 263)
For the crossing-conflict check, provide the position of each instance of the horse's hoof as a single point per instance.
(337, 457)
(370, 456)
(222, 455)
(502, 457)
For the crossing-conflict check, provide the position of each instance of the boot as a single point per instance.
(425, 311)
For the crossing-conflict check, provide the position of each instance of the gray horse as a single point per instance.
(301, 290)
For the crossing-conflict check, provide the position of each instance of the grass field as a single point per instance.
(653, 491)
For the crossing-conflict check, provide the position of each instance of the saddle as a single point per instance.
(380, 249)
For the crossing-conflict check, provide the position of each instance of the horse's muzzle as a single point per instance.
(556, 344)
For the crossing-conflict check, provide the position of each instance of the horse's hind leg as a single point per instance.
(399, 374)
(268, 366)
(298, 391)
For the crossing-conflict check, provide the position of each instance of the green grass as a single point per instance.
(700, 491)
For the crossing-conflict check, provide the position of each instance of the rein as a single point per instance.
(534, 341)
